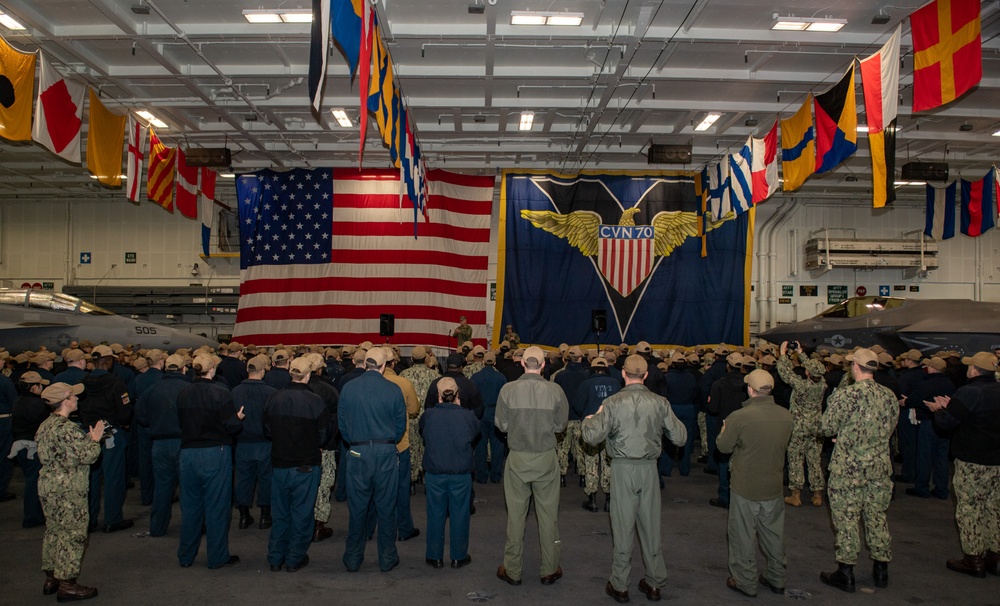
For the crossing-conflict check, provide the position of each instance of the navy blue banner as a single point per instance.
(624, 243)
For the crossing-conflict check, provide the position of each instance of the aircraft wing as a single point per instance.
(953, 324)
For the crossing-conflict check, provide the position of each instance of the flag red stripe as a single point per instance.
(425, 230)
(620, 272)
(871, 79)
(404, 257)
(290, 285)
(391, 201)
(355, 312)
(436, 175)
(976, 208)
(334, 338)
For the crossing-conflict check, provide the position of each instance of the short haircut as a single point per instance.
(765, 390)
(531, 363)
(371, 364)
(634, 376)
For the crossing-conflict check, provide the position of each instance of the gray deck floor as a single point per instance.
(139, 570)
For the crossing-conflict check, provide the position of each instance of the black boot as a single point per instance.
(71, 591)
(880, 574)
(607, 502)
(265, 517)
(842, 578)
(591, 503)
(562, 481)
(245, 520)
(583, 481)
(52, 583)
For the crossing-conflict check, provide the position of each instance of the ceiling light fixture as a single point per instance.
(997, 134)
(966, 127)
(140, 9)
(527, 119)
(153, 120)
(862, 128)
(228, 175)
(707, 122)
(341, 117)
(264, 15)
(10, 23)
(750, 122)
(545, 18)
(807, 24)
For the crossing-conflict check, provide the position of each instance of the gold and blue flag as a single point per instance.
(798, 155)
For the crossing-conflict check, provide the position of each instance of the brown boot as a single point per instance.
(794, 499)
(817, 499)
(71, 591)
(993, 563)
(972, 565)
(321, 532)
(51, 584)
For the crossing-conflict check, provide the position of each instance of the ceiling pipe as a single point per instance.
(225, 78)
(762, 275)
(772, 259)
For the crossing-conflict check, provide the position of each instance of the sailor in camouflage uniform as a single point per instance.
(477, 364)
(863, 418)
(806, 408)
(973, 414)
(462, 333)
(66, 453)
(421, 376)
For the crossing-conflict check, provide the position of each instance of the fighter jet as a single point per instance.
(898, 325)
(33, 318)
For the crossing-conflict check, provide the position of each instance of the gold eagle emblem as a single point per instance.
(581, 228)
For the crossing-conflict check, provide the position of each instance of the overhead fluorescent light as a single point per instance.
(527, 119)
(297, 16)
(809, 24)
(264, 15)
(523, 18)
(545, 18)
(261, 16)
(707, 122)
(95, 177)
(997, 134)
(9, 22)
(341, 117)
(153, 120)
(832, 25)
(789, 26)
(228, 175)
(570, 19)
(862, 128)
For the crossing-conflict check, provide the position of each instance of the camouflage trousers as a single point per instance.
(977, 501)
(416, 450)
(567, 441)
(596, 467)
(805, 450)
(703, 434)
(321, 511)
(66, 519)
(853, 500)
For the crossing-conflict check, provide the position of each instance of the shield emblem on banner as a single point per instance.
(625, 255)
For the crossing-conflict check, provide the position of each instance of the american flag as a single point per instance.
(324, 252)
